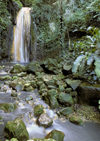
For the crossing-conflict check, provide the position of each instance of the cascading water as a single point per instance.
(21, 41)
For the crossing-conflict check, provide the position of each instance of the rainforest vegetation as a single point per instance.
(60, 82)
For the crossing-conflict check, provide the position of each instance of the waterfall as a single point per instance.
(35, 43)
(21, 41)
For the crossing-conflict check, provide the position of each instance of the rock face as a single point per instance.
(57, 135)
(89, 93)
(16, 129)
(45, 120)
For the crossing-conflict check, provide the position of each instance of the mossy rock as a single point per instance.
(76, 120)
(67, 111)
(16, 129)
(1, 118)
(17, 69)
(38, 110)
(7, 77)
(57, 135)
(65, 99)
(52, 96)
(8, 107)
(44, 120)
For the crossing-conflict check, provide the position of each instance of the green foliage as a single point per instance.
(18, 3)
(46, 18)
(4, 15)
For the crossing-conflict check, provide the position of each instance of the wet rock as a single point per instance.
(57, 135)
(67, 111)
(76, 120)
(38, 110)
(8, 107)
(52, 96)
(29, 98)
(19, 87)
(44, 120)
(28, 87)
(5, 88)
(17, 84)
(17, 69)
(16, 129)
(74, 84)
(65, 99)
(88, 93)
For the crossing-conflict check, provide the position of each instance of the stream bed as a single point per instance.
(87, 132)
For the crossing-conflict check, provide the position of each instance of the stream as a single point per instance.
(87, 132)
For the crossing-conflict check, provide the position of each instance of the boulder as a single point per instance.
(52, 96)
(57, 135)
(88, 93)
(65, 99)
(17, 69)
(76, 120)
(44, 120)
(66, 111)
(28, 87)
(16, 129)
(74, 84)
(8, 107)
(38, 110)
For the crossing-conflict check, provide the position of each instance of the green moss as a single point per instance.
(8, 107)
(18, 3)
(38, 110)
(16, 129)
(4, 16)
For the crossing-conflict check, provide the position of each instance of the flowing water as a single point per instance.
(87, 132)
(21, 41)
